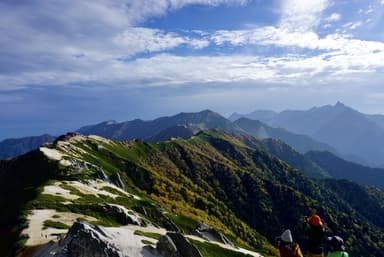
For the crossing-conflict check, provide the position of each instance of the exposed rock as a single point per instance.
(166, 247)
(101, 175)
(176, 245)
(171, 226)
(116, 180)
(85, 240)
(78, 166)
(121, 215)
(211, 234)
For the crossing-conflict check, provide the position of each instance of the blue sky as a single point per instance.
(69, 63)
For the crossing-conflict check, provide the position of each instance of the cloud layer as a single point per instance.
(68, 42)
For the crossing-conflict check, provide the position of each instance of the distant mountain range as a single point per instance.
(17, 146)
(140, 129)
(290, 149)
(300, 143)
(356, 136)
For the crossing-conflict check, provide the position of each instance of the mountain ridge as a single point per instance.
(356, 136)
(342, 169)
(212, 176)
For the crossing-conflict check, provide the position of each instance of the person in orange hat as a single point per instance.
(314, 233)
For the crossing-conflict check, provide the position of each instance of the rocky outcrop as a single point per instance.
(116, 180)
(122, 216)
(211, 234)
(85, 240)
(176, 245)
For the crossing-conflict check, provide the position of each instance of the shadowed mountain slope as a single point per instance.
(342, 169)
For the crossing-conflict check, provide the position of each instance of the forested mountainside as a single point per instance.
(213, 177)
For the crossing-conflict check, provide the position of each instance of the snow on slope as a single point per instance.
(36, 232)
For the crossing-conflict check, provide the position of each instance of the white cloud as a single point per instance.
(137, 40)
(140, 10)
(302, 15)
(352, 25)
(333, 17)
(94, 46)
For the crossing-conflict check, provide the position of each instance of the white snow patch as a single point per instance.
(55, 189)
(38, 236)
(102, 139)
(130, 244)
(52, 153)
(95, 187)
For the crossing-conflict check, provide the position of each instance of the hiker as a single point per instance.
(287, 247)
(314, 233)
(336, 247)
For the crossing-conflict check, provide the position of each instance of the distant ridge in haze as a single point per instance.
(358, 137)
(185, 125)
(263, 115)
(300, 143)
(143, 129)
(342, 169)
(16, 146)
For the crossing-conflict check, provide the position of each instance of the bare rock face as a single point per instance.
(176, 245)
(212, 234)
(84, 240)
(116, 180)
(166, 247)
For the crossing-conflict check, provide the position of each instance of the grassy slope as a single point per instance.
(222, 180)
(216, 179)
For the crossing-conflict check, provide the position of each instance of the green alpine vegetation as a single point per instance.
(213, 177)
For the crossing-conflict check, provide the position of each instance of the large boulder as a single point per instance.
(208, 233)
(84, 240)
(176, 245)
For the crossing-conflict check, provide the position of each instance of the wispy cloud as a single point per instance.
(137, 40)
(353, 25)
(140, 10)
(333, 17)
